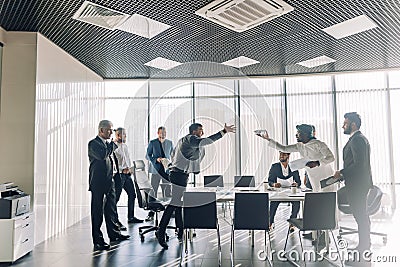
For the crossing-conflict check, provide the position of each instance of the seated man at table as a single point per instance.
(280, 175)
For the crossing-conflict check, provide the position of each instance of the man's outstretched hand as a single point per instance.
(230, 128)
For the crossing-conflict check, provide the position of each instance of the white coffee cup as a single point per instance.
(266, 186)
(294, 189)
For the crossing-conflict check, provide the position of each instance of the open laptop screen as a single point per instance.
(213, 181)
(245, 181)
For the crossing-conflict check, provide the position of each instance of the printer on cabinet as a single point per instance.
(13, 202)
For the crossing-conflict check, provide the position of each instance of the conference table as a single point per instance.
(227, 195)
(275, 194)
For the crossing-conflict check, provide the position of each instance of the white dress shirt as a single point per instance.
(313, 150)
(122, 154)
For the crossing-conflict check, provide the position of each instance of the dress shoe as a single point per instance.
(161, 240)
(121, 227)
(149, 218)
(119, 238)
(101, 246)
(321, 241)
(135, 220)
(180, 235)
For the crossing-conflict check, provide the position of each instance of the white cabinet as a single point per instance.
(16, 237)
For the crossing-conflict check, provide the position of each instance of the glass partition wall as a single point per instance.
(277, 104)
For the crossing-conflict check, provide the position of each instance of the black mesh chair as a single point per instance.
(374, 200)
(145, 200)
(200, 212)
(251, 212)
(319, 213)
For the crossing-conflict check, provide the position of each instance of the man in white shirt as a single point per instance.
(317, 153)
(123, 178)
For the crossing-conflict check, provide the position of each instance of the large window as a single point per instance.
(276, 104)
(366, 93)
(309, 100)
(214, 106)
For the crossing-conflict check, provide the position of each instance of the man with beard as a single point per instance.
(280, 175)
(317, 153)
(186, 158)
(158, 150)
(123, 179)
(357, 176)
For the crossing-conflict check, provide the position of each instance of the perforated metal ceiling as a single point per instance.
(277, 44)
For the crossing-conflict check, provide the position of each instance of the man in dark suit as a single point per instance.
(186, 158)
(357, 176)
(157, 150)
(280, 175)
(101, 185)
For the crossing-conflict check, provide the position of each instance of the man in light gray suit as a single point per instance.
(357, 176)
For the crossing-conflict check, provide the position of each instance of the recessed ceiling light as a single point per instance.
(318, 61)
(99, 15)
(350, 27)
(143, 26)
(162, 63)
(240, 62)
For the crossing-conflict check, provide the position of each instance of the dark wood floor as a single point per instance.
(74, 247)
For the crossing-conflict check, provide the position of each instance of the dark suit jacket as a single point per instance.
(190, 151)
(154, 152)
(356, 163)
(276, 172)
(101, 166)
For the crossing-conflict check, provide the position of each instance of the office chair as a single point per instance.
(145, 200)
(200, 212)
(254, 218)
(244, 181)
(374, 200)
(318, 214)
(213, 181)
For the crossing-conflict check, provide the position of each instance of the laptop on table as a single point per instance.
(245, 183)
(213, 181)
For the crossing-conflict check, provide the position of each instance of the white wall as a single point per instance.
(17, 114)
(68, 109)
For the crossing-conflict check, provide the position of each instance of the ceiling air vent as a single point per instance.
(241, 15)
(100, 16)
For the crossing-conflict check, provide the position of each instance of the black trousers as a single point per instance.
(124, 181)
(155, 183)
(274, 206)
(103, 204)
(179, 182)
(358, 204)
